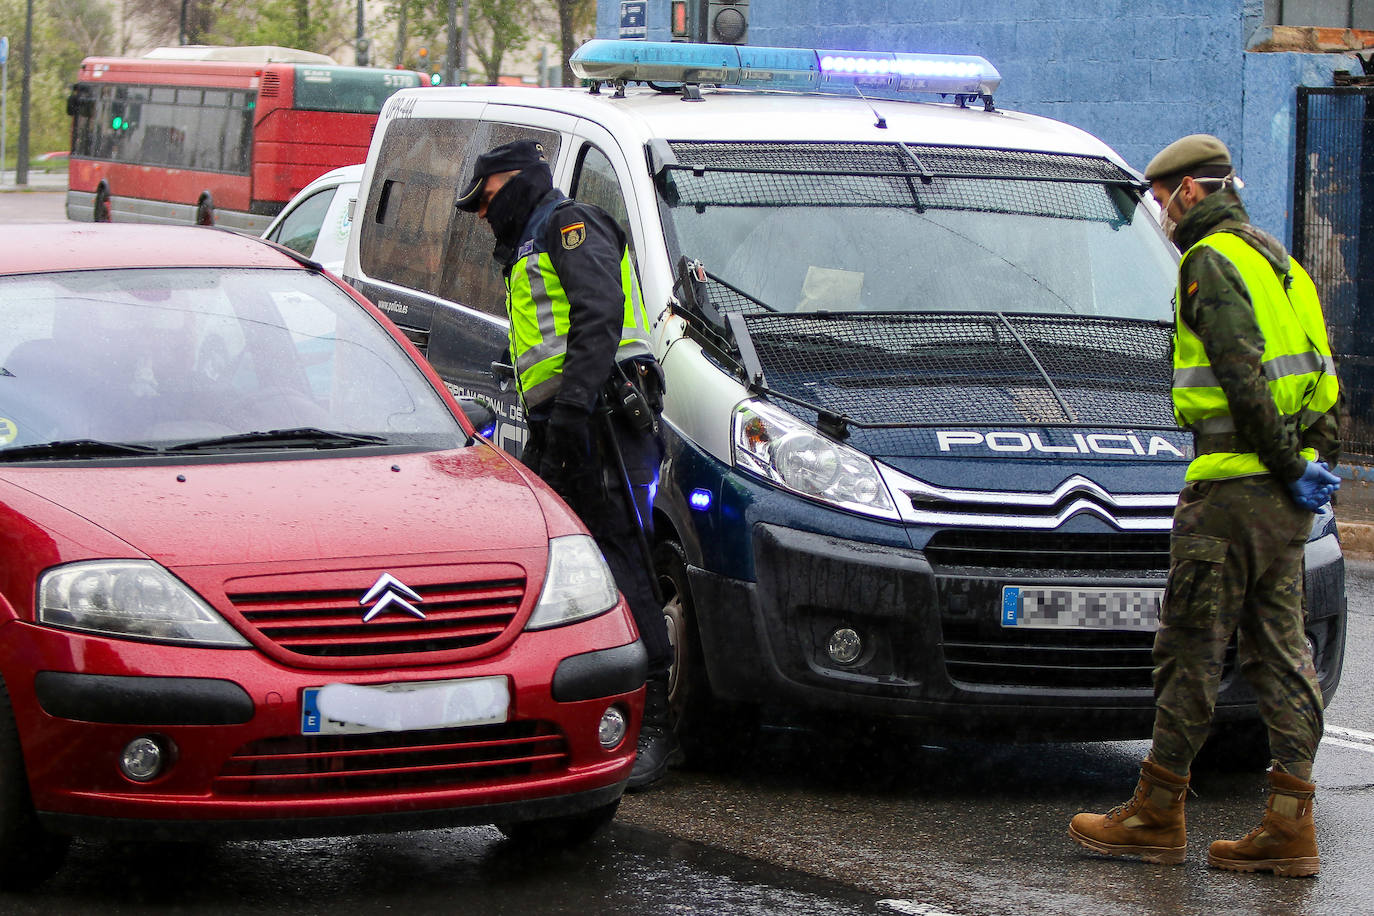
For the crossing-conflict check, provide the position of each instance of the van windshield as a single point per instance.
(809, 227)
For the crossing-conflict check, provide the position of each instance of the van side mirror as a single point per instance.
(480, 414)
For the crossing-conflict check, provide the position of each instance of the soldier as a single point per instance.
(1255, 383)
(578, 325)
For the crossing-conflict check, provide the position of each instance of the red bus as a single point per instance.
(215, 135)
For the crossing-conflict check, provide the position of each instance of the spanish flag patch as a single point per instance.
(1192, 288)
(573, 235)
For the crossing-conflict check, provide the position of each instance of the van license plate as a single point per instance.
(355, 709)
(1131, 609)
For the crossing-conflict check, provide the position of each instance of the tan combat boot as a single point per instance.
(1285, 842)
(1150, 825)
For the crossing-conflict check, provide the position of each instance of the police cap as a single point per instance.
(515, 156)
(1199, 155)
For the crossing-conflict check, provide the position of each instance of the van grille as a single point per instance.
(1053, 659)
(270, 86)
(324, 764)
(1079, 554)
(329, 623)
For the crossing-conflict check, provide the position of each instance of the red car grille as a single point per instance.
(329, 624)
(324, 764)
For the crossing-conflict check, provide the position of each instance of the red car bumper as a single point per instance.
(231, 723)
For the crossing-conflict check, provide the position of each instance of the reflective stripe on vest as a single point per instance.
(1296, 361)
(538, 309)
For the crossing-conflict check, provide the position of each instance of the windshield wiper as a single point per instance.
(75, 448)
(297, 437)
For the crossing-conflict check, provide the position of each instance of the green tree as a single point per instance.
(64, 31)
(494, 28)
(310, 25)
(406, 26)
(576, 24)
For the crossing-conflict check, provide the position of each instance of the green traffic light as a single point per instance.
(436, 79)
(117, 124)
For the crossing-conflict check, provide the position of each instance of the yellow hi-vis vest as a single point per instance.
(1297, 360)
(538, 309)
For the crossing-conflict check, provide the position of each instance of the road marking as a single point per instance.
(912, 908)
(1354, 746)
(1350, 734)
(1350, 738)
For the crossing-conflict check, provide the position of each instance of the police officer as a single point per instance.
(1255, 383)
(579, 340)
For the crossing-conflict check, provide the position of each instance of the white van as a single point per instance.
(921, 454)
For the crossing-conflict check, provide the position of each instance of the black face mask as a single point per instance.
(510, 209)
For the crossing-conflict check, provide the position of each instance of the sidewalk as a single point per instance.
(39, 180)
(1355, 509)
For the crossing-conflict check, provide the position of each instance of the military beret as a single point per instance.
(515, 156)
(1187, 155)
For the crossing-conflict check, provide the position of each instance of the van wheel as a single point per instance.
(102, 204)
(29, 855)
(712, 732)
(1237, 747)
(205, 210)
(557, 832)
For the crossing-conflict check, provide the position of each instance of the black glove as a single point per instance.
(567, 453)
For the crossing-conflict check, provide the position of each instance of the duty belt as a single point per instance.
(1207, 443)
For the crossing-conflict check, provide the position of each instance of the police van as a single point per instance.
(921, 453)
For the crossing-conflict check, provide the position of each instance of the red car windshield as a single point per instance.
(166, 358)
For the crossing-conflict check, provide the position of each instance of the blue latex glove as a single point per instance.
(1314, 488)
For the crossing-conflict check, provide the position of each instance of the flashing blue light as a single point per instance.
(486, 432)
(700, 500)
(784, 68)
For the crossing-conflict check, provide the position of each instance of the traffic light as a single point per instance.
(721, 22)
(682, 20)
(727, 22)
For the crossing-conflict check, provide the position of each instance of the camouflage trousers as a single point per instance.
(1235, 564)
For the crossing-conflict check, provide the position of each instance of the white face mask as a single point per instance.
(1166, 219)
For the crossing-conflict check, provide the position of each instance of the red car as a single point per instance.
(259, 576)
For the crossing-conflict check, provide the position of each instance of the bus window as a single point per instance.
(228, 141)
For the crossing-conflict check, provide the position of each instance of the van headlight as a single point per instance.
(577, 584)
(785, 451)
(131, 598)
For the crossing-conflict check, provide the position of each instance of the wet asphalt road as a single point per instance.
(805, 825)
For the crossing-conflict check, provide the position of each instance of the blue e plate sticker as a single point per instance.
(310, 713)
(1011, 600)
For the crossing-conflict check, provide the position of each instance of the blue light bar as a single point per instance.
(784, 68)
(700, 500)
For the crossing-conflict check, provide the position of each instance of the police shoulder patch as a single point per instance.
(573, 235)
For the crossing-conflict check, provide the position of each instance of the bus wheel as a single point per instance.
(205, 211)
(102, 204)
(714, 734)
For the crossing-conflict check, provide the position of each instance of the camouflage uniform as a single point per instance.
(1236, 552)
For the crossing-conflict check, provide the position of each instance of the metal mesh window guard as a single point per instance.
(768, 189)
(928, 369)
(882, 175)
(888, 158)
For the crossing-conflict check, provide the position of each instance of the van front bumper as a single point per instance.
(933, 645)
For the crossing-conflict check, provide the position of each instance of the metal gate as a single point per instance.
(1333, 237)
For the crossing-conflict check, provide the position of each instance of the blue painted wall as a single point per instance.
(1137, 73)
